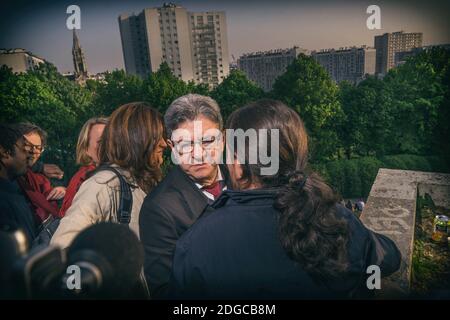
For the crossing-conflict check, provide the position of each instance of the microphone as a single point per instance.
(110, 258)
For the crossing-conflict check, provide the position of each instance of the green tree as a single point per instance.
(26, 97)
(307, 88)
(75, 97)
(367, 121)
(350, 136)
(441, 141)
(161, 88)
(201, 88)
(415, 92)
(440, 59)
(235, 91)
(117, 89)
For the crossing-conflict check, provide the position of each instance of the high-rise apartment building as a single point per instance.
(388, 44)
(266, 66)
(351, 64)
(210, 47)
(193, 44)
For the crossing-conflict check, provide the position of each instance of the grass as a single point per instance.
(431, 261)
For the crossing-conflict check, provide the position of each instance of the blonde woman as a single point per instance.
(87, 157)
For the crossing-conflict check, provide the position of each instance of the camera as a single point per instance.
(95, 266)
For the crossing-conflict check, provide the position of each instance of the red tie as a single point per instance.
(215, 189)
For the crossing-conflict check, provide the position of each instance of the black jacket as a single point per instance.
(15, 211)
(167, 212)
(235, 253)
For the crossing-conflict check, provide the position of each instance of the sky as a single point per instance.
(40, 26)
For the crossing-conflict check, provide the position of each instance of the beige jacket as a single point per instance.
(97, 201)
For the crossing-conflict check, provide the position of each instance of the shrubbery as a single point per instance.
(354, 178)
(407, 112)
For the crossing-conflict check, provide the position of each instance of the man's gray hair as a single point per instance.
(188, 108)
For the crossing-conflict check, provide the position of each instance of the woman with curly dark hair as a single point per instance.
(132, 143)
(277, 235)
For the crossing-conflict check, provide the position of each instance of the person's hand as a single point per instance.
(52, 171)
(57, 193)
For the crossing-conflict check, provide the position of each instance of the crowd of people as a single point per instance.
(209, 230)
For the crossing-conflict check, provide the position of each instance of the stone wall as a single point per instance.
(391, 210)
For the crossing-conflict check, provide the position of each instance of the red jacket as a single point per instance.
(74, 184)
(36, 187)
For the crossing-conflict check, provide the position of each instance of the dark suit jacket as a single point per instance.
(167, 212)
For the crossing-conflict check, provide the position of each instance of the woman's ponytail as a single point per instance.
(309, 230)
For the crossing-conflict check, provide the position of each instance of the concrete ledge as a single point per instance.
(391, 210)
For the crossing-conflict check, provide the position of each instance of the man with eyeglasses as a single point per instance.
(194, 125)
(36, 186)
(15, 211)
(35, 139)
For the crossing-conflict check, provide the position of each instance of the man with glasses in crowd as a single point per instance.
(42, 195)
(194, 125)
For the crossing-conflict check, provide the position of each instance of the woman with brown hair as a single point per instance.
(132, 143)
(87, 158)
(281, 234)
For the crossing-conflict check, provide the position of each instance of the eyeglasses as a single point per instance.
(29, 147)
(183, 147)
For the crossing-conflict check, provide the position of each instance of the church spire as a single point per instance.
(79, 62)
(76, 43)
